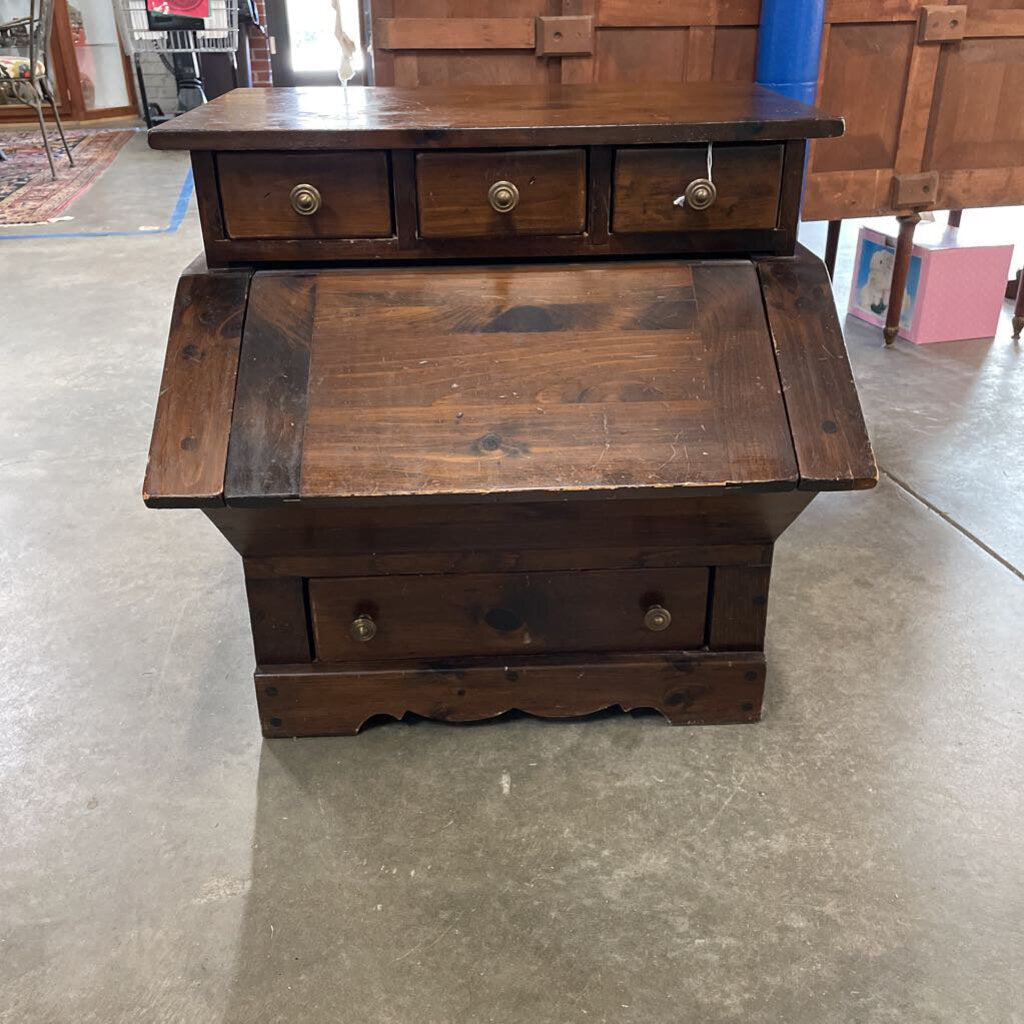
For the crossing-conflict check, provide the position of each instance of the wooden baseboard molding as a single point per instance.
(687, 688)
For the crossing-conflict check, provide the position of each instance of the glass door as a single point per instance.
(305, 49)
(100, 66)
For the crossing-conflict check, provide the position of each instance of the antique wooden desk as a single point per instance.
(502, 404)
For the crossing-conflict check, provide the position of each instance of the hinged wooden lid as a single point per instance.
(501, 381)
(392, 384)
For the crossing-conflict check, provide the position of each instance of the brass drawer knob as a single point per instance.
(305, 199)
(363, 628)
(657, 618)
(503, 197)
(699, 195)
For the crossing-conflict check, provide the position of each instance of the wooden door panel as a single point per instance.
(666, 13)
(866, 70)
(735, 54)
(480, 67)
(978, 118)
(416, 42)
(641, 55)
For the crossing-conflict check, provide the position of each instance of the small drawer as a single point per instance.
(347, 195)
(647, 181)
(382, 618)
(517, 192)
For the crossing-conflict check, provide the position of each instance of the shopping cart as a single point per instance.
(179, 41)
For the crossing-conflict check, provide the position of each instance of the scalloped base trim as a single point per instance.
(687, 688)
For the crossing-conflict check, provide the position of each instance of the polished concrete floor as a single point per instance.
(854, 859)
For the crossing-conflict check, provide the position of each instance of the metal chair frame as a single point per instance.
(36, 89)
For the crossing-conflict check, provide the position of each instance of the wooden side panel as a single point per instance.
(296, 541)
(832, 447)
(688, 689)
(193, 415)
(277, 611)
(264, 461)
(550, 536)
(739, 607)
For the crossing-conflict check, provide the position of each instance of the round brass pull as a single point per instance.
(657, 618)
(363, 629)
(699, 194)
(503, 197)
(305, 199)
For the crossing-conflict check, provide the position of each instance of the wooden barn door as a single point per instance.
(418, 42)
(975, 136)
(931, 96)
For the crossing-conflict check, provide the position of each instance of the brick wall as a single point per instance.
(259, 51)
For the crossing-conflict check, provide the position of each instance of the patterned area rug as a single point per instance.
(28, 195)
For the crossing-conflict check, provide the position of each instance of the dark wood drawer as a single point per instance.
(508, 613)
(748, 179)
(353, 189)
(548, 193)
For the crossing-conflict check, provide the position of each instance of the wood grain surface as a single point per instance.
(189, 444)
(354, 189)
(452, 189)
(277, 614)
(831, 442)
(502, 381)
(687, 688)
(442, 117)
(362, 539)
(507, 613)
(265, 455)
(739, 607)
(648, 180)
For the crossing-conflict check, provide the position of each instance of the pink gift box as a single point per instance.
(955, 289)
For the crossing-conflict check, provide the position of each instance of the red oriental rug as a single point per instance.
(28, 195)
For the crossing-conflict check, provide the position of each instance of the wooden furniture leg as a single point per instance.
(832, 247)
(1018, 308)
(954, 218)
(900, 267)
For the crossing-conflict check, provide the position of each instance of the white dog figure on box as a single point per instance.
(874, 293)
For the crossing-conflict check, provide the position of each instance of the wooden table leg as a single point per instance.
(954, 218)
(1018, 308)
(900, 268)
(832, 246)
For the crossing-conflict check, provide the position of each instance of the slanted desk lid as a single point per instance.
(506, 381)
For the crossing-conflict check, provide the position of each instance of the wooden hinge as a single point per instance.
(571, 35)
(941, 24)
(914, 191)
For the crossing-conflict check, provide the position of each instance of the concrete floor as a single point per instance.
(854, 858)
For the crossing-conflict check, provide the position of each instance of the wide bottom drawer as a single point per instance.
(382, 618)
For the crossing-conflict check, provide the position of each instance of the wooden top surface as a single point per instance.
(396, 383)
(506, 115)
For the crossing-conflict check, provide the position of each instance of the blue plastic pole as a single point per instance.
(789, 46)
